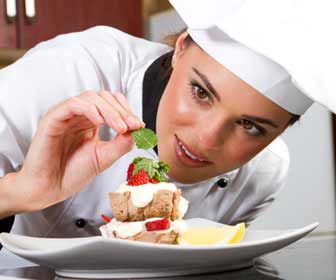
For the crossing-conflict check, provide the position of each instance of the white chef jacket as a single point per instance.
(104, 58)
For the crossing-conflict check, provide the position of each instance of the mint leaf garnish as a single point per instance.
(155, 169)
(144, 138)
(145, 164)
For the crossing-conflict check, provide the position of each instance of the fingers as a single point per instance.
(120, 102)
(110, 151)
(75, 106)
(100, 108)
(61, 116)
(116, 115)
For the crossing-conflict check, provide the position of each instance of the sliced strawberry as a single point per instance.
(106, 218)
(140, 178)
(153, 181)
(158, 225)
(130, 170)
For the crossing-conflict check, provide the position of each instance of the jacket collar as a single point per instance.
(154, 83)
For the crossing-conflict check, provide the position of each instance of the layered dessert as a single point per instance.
(146, 207)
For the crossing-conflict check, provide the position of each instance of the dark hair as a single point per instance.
(171, 39)
(293, 119)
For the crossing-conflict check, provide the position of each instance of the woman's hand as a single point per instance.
(66, 152)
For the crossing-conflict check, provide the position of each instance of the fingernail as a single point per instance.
(122, 125)
(133, 121)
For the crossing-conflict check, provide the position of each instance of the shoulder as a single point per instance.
(98, 58)
(122, 40)
(274, 159)
(279, 149)
(267, 172)
(270, 167)
(256, 184)
(101, 43)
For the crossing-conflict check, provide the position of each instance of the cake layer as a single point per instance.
(138, 231)
(164, 204)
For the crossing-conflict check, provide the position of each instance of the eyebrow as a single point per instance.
(261, 120)
(207, 83)
(214, 92)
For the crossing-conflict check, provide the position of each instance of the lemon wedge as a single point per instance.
(213, 235)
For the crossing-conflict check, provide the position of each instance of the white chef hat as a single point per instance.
(285, 49)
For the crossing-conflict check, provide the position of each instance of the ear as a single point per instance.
(179, 47)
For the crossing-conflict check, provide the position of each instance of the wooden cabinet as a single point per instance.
(53, 17)
(7, 30)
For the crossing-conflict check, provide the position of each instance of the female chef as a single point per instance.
(217, 106)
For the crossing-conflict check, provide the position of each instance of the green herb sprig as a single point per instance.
(144, 138)
(155, 169)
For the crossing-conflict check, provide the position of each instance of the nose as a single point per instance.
(213, 133)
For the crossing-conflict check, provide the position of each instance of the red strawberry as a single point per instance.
(140, 178)
(158, 225)
(153, 181)
(106, 218)
(130, 170)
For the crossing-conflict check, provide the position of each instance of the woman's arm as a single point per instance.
(10, 204)
(66, 152)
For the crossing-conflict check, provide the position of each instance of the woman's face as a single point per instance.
(209, 121)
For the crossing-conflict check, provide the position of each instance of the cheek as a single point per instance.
(176, 105)
(244, 150)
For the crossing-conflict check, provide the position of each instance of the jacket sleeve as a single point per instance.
(49, 73)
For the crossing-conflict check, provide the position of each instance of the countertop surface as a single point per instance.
(8, 56)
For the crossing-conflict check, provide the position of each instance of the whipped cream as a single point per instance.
(142, 195)
(182, 207)
(129, 229)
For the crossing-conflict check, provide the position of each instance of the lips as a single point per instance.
(187, 156)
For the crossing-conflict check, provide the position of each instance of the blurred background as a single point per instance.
(309, 194)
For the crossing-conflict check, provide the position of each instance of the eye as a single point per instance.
(252, 128)
(200, 94)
